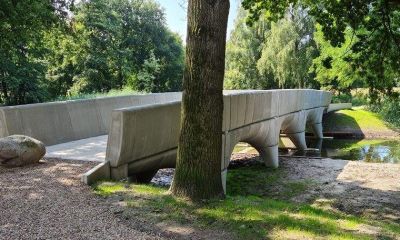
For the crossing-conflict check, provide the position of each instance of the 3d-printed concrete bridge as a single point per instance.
(143, 130)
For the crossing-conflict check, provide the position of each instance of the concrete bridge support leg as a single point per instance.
(298, 139)
(223, 179)
(317, 130)
(270, 156)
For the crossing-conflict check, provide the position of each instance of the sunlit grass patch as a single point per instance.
(148, 189)
(365, 118)
(292, 234)
(109, 188)
(357, 118)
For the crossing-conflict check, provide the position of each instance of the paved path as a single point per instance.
(88, 149)
(48, 201)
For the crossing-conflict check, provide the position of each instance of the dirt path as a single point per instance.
(48, 201)
(369, 189)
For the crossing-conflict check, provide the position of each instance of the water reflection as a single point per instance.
(387, 151)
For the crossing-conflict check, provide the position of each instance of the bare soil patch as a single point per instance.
(368, 189)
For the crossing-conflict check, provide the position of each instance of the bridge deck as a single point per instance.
(88, 149)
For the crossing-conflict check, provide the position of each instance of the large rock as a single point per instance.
(19, 150)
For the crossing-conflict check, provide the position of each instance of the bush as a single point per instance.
(356, 100)
(341, 98)
(389, 109)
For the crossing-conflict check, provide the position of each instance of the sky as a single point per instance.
(176, 15)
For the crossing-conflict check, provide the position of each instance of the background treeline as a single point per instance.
(53, 48)
(294, 52)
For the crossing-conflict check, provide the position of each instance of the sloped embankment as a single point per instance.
(358, 123)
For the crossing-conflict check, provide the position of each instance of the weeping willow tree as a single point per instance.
(242, 54)
(270, 54)
(289, 49)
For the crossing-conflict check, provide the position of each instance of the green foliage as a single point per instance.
(332, 68)
(126, 43)
(22, 25)
(48, 52)
(242, 53)
(354, 99)
(389, 109)
(271, 55)
(289, 49)
(374, 45)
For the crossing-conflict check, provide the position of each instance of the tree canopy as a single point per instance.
(54, 48)
(374, 32)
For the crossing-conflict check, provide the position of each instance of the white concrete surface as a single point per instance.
(88, 149)
(65, 121)
(339, 106)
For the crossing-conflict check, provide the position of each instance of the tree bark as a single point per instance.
(198, 168)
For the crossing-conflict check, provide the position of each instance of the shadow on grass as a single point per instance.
(337, 124)
(358, 123)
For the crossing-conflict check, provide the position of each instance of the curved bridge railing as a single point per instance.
(144, 139)
(65, 121)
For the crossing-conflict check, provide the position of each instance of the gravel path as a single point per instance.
(48, 201)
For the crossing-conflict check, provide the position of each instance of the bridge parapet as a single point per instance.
(64, 121)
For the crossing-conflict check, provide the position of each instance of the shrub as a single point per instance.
(389, 109)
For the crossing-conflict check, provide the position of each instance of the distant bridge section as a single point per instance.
(65, 121)
(144, 138)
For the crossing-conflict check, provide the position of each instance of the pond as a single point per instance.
(379, 151)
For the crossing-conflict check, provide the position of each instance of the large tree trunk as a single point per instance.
(198, 168)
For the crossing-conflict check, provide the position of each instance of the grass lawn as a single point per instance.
(357, 119)
(250, 213)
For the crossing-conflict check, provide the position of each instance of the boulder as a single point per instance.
(19, 150)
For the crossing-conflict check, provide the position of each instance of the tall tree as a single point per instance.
(268, 55)
(243, 52)
(198, 167)
(289, 49)
(22, 26)
(127, 43)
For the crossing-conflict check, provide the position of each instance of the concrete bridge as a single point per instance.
(143, 130)
(143, 139)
